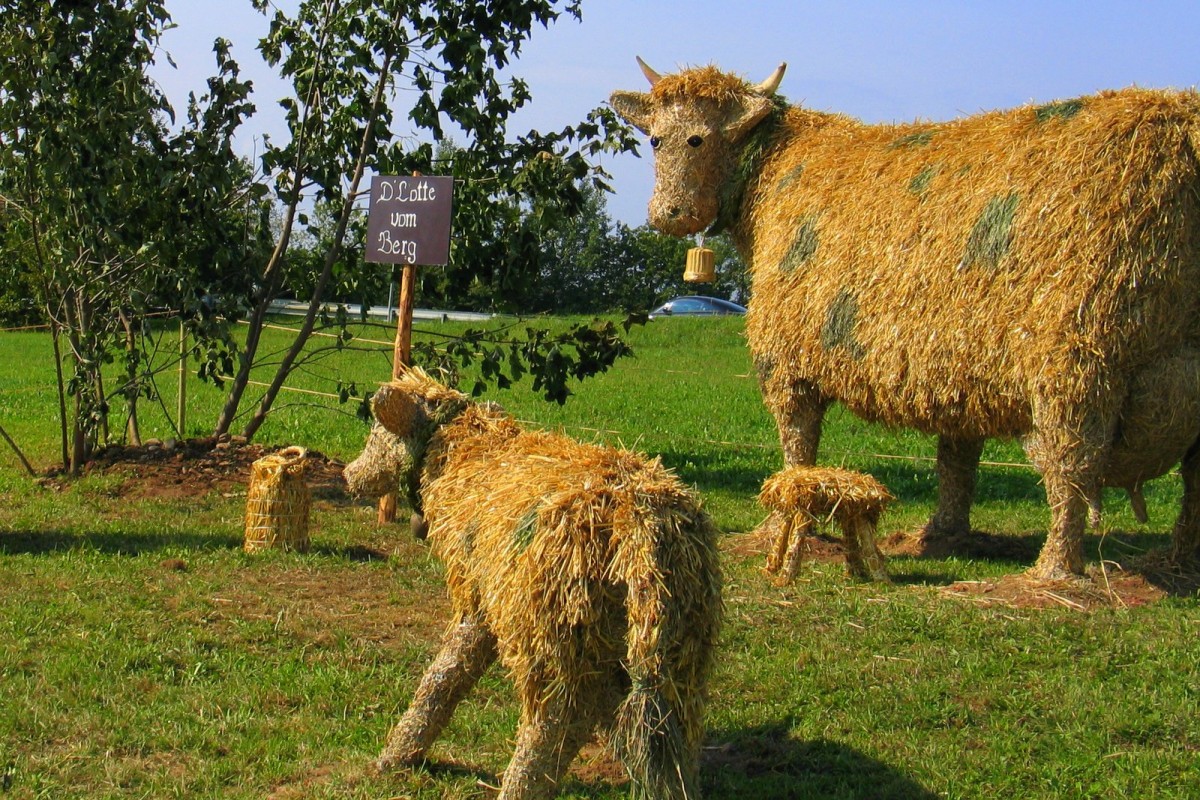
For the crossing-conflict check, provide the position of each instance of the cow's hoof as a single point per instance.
(1056, 572)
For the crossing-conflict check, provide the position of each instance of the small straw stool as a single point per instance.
(805, 496)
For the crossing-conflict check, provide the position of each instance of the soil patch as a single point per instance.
(596, 764)
(1107, 586)
(818, 547)
(1139, 581)
(195, 467)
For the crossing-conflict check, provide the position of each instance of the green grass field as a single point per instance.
(143, 654)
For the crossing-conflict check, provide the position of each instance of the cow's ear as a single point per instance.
(634, 108)
(748, 112)
(395, 409)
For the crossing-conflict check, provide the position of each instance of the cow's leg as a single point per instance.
(799, 410)
(1070, 451)
(468, 649)
(1185, 542)
(548, 740)
(1062, 555)
(799, 415)
(957, 468)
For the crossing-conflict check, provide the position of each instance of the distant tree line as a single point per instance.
(582, 264)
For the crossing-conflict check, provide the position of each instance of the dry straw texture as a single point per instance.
(1030, 272)
(807, 496)
(277, 502)
(591, 570)
(962, 269)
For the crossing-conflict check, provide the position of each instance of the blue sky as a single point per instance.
(880, 61)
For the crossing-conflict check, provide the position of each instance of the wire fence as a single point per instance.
(385, 347)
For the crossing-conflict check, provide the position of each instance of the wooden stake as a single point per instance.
(183, 368)
(401, 358)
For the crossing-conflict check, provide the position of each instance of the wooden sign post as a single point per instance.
(408, 224)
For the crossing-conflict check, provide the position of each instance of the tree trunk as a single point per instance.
(270, 281)
(55, 333)
(339, 234)
(132, 431)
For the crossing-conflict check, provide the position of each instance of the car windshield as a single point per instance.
(688, 305)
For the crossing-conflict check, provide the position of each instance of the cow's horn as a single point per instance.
(650, 74)
(772, 83)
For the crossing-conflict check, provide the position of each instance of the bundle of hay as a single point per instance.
(808, 496)
(277, 502)
(590, 572)
(1032, 272)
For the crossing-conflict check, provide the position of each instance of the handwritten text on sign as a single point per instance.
(409, 220)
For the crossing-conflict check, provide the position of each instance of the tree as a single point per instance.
(588, 264)
(92, 184)
(579, 270)
(346, 59)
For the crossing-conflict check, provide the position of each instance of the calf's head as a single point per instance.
(408, 412)
(696, 120)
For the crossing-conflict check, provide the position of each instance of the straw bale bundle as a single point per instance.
(277, 502)
(1029, 273)
(807, 496)
(590, 572)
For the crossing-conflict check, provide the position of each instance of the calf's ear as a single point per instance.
(634, 108)
(394, 409)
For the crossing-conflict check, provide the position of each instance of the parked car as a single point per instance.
(696, 305)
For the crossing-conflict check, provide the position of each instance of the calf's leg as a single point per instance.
(547, 742)
(468, 649)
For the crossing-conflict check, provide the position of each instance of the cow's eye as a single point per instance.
(695, 141)
(655, 142)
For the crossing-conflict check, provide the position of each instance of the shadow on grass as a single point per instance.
(45, 542)
(765, 762)
(50, 542)
(710, 471)
(455, 769)
(353, 552)
(917, 482)
(1149, 556)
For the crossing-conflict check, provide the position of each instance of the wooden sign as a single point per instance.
(409, 220)
(409, 224)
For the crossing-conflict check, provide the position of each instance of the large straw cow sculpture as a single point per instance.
(589, 571)
(1030, 273)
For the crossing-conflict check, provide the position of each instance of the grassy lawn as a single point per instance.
(143, 654)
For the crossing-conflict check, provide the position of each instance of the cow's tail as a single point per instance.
(666, 555)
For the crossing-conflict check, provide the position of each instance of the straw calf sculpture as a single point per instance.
(590, 572)
(1030, 273)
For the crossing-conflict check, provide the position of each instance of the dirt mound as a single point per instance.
(1143, 580)
(195, 467)
(1108, 586)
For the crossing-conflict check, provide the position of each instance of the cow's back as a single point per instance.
(940, 276)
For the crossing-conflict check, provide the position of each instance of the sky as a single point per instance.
(881, 62)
